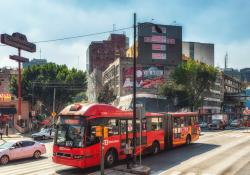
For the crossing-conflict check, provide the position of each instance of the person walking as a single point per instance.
(129, 152)
(1, 133)
(7, 129)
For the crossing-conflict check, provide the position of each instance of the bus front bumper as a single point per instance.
(69, 161)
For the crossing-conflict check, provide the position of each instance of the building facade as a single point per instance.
(245, 75)
(235, 73)
(159, 45)
(101, 53)
(233, 102)
(202, 52)
(34, 62)
(5, 75)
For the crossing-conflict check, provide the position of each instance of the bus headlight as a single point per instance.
(77, 156)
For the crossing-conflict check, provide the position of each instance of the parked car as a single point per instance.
(236, 123)
(216, 124)
(45, 133)
(203, 124)
(20, 149)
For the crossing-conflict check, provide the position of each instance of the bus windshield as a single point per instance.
(70, 131)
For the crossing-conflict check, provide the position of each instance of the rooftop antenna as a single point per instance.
(114, 27)
(226, 60)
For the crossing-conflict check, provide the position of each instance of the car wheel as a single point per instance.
(4, 160)
(110, 158)
(37, 154)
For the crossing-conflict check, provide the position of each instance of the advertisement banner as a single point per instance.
(147, 77)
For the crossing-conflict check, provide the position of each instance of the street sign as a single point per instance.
(17, 58)
(19, 41)
(53, 114)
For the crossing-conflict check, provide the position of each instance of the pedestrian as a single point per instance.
(1, 133)
(7, 129)
(129, 152)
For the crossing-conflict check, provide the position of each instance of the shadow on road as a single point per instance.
(23, 161)
(174, 157)
(78, 171)
(157, 163)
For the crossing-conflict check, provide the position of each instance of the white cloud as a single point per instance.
(41, 20)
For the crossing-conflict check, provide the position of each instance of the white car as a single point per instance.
(20, 149)
(44, 134)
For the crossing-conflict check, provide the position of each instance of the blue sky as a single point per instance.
(225, 23)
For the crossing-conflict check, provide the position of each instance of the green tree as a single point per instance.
(106, 95)
(191, 80)
(38, 82)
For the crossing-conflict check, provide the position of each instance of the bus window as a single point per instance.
(113, 127)
(194, 120)
(156, 123)
(123, 126)
(130, 126)
(177, 127)
(182, 121)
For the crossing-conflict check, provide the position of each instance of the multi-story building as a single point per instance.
(159, 45)
(101, 53)
(232, 73)
(5, 75)
(245, 75)
(202, 52)
(233, 89)
(34, 62)
(94, 85)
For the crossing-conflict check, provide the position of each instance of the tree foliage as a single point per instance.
(189, 82)
(39, 81)
(106, 95)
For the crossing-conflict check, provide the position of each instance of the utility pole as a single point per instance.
(54, 102)
(134, 95)
(19, 41)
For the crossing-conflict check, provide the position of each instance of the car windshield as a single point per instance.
(6, 145)
(70, 131)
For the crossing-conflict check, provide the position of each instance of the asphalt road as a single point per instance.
(216, 153)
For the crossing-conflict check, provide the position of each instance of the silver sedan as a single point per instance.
(20, 149)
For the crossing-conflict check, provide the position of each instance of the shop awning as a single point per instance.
(7, 111)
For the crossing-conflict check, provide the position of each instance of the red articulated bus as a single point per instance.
(76, 145)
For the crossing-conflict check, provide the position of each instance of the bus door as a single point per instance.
(177, 131)
(168, 131)
(123, 134)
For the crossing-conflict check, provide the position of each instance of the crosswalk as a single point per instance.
(188, 173)
(31, 167)
(233, 140)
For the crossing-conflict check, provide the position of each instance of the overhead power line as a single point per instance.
(78, 36)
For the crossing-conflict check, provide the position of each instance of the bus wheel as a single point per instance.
(188, 140)
(155, 148)
(110, 158)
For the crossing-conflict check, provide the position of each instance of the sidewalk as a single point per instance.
(122, 170)
(11, 137)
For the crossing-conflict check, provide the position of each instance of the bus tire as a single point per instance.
(188, 139)
(110, 158)
(155, 147)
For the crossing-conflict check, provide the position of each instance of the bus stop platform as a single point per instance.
(122, 170)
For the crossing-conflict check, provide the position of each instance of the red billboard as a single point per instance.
(147, 77)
